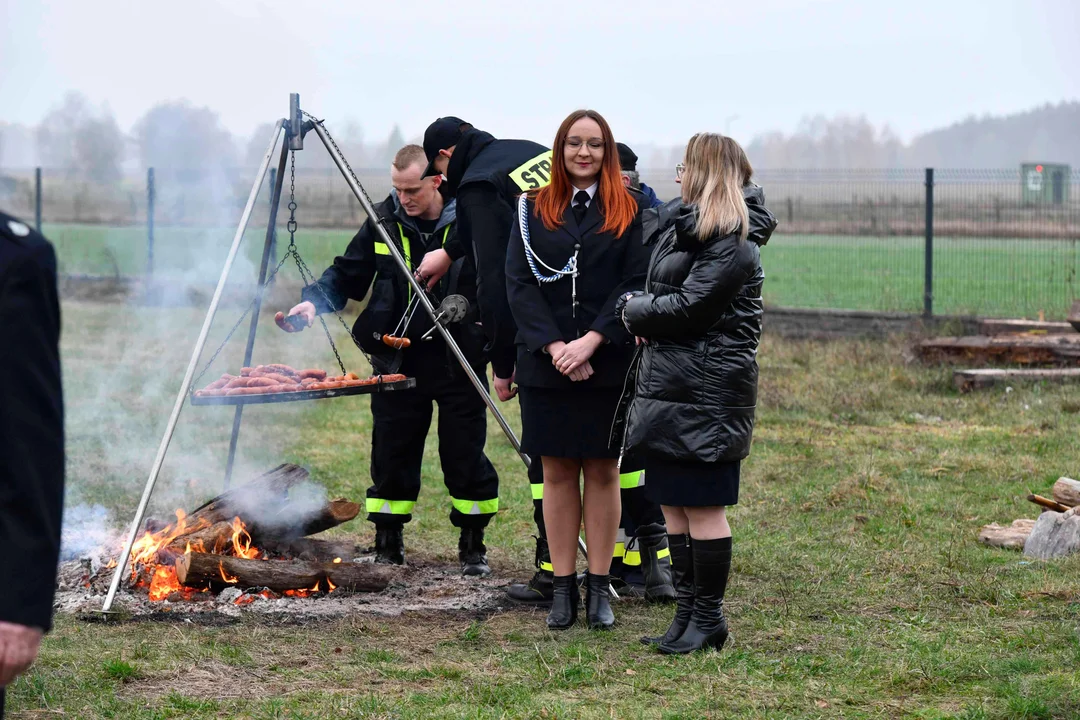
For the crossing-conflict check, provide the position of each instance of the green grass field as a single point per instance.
(988, 277)
(858, 588)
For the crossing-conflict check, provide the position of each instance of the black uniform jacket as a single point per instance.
(695, 388)
(367, 263)
(31, 426)
(608, 266)
(486, 176)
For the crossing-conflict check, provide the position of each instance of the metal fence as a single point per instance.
(943, 241)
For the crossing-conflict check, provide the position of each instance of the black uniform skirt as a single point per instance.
(571, 423)
(691, 484)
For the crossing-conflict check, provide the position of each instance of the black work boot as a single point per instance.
(657, 570)
(598, 602)
(682, 571)
(389, 545)
(708, 626)
(539, 590)
(472, 553)
(564, 605)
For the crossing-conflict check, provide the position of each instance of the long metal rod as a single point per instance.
(276, 181)
(369, 208)
(185, 387)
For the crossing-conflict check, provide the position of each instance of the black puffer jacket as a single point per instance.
(695, 382)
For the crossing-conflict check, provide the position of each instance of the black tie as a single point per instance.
(580, 205)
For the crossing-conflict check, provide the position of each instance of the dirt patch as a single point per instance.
(424, 585)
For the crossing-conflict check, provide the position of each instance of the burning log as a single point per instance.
(313, 549)
(202, 569)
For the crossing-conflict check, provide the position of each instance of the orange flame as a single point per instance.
(337, 560)
(241, 541)
(225, 576)
(244, 600)
(331, 585)
(163, 583)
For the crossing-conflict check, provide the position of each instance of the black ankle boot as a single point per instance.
(598, 602)
(682, 572)
(389, 545)
(538, 591)
(564, 605)
(655, 569)
(472, 553)
(708, 626)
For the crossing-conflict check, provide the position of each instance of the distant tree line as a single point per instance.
(86, 142)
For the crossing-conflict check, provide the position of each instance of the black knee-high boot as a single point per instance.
(682, 574)
(564, 604)
(708, 626)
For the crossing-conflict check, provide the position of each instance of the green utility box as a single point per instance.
(1044, 184)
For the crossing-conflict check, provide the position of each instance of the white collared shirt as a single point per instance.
(591, 190)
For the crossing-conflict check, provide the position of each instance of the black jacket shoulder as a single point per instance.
(31, 425)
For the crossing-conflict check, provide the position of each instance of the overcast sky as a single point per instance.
(659, 71)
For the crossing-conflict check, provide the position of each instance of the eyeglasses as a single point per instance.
(594, 144)
(679, 170)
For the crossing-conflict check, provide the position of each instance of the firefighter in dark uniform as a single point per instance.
(423, 225)
(31, 444)
(486, 175)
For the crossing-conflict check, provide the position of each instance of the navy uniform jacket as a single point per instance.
(608, 266)
(31, 426)
(486, 176)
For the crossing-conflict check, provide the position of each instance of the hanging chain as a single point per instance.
(306, 276)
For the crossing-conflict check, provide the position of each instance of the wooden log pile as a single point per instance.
(255, 536)
(1056, 533)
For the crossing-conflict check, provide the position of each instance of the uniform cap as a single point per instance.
(627, 158)
(442, 134)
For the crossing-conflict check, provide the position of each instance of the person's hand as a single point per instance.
(640, 340)
(582, 372)
(504, 387)
(300, 317)
(434, 265)
(18, 647)
(575, 354)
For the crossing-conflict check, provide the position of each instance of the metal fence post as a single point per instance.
(37, 198)
(928, 281)
(151, 193)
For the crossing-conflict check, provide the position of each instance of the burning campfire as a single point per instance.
(253, 537)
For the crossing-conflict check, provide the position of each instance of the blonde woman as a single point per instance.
(698, 323)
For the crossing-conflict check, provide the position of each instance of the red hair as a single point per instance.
(618, 204)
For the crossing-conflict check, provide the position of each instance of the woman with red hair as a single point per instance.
(575, 249)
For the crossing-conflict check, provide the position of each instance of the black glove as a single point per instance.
(620, 304)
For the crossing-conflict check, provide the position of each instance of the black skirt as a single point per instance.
(570, 423)
(691, 484)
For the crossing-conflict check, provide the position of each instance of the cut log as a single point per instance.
(334, 513)
(202, 569)
(1054, 535)
(215, 538)
(1004, 349)
(1011, 537)
(1004, 327)
(313, 549)
(1047, 503)
(967, 380)
(1067, 491)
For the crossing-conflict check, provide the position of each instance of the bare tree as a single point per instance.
(57, 131)
(176, 135)
(99, 148)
